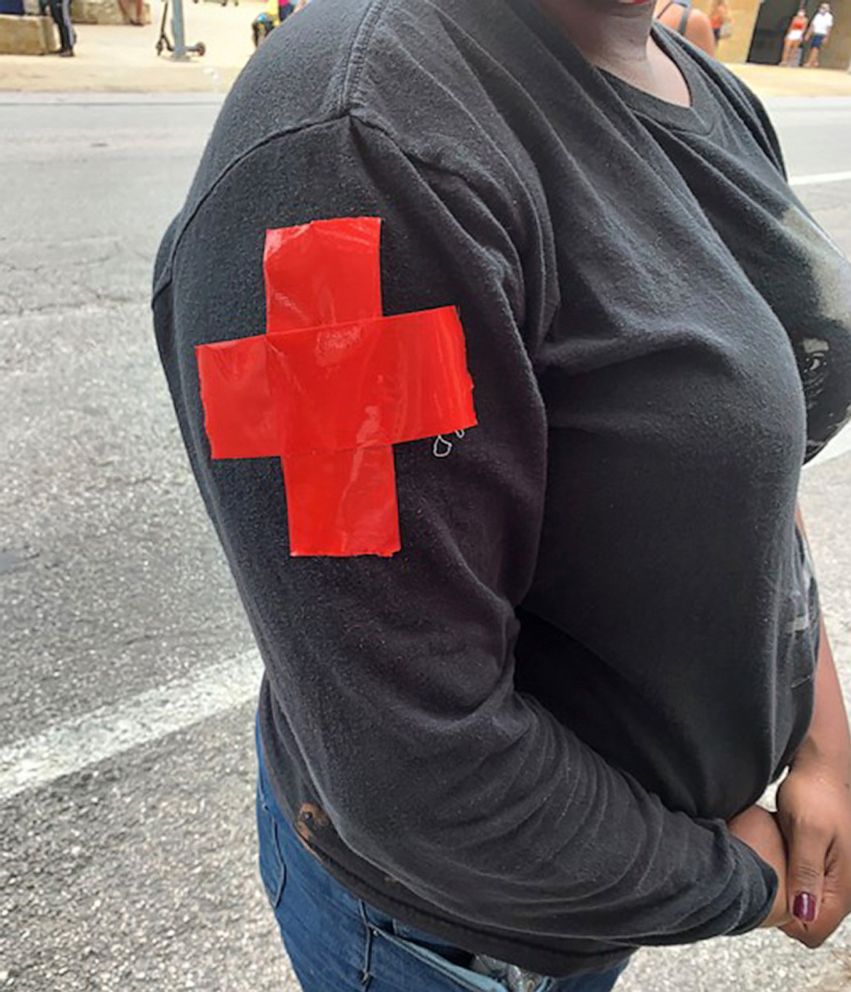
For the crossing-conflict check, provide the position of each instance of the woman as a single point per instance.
(719, 15)
(794, 37)
(691, 23)
(61, 12)
(525, 680)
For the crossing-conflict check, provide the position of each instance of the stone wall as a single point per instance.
(27, 35)
(106, 12)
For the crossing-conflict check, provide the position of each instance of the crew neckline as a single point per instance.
(699, 117)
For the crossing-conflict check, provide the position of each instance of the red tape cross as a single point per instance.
(333, 385)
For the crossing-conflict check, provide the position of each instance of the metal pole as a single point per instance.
(179, 53)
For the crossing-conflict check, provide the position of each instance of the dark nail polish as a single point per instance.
(805, 907)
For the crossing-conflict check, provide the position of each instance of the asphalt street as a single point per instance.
(127, 675)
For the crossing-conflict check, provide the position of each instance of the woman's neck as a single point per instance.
(615, 35)
(612, 34)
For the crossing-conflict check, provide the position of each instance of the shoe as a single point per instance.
(66, 53)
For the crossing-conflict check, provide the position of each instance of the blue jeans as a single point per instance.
(338, 943)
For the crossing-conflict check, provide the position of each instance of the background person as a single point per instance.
(138, 18)
(819, 34)
(262, 26)
(682, 17)
(794, 38)
(265, 22)
(61, 12)
(720, 19)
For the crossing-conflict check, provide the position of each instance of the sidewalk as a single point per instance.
(122, 59)
(771, 80)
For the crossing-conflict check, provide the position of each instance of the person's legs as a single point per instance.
(61, 12)
(815, 48)
(336, 941)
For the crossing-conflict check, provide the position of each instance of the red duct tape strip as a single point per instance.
(239, 415)
(342, 503)
(325, 272)
(371, 382)
(333, 384)
(338, 503)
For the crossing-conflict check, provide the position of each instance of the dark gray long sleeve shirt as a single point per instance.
(524, 732)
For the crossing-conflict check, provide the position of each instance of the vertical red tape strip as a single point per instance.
(339, 503)
(342, 503)
(325, 272)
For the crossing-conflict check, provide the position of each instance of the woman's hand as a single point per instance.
(759, 830)
(814, 809)
(814, 813)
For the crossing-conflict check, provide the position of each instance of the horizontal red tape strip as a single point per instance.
(239, 415)
(371, 382)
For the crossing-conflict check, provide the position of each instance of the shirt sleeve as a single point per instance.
(396, 676)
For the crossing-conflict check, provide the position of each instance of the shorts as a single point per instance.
(817, 40)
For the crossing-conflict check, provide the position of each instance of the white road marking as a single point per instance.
(75, 744)
(820, 178)
(840, 445)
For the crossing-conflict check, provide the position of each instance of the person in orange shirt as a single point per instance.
(719, 15)
(794, 37)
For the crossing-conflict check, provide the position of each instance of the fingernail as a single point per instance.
(805, 907)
